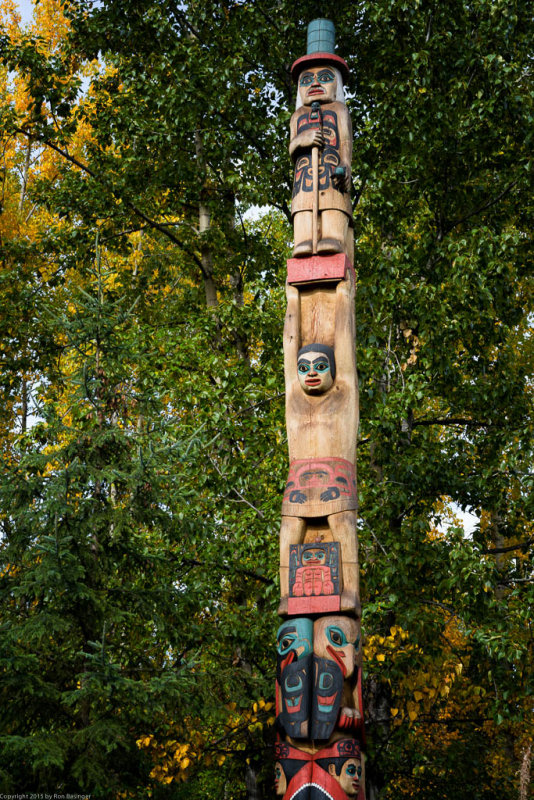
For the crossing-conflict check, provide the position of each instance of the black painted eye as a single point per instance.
(285, 644)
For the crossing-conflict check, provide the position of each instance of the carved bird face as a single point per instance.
(338, 639)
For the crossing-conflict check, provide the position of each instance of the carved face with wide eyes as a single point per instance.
(313, 556)
(349, 778)
(338, 639)
(317, 83)
(280, 782)
(315, 374)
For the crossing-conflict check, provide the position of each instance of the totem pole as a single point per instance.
(319, 711)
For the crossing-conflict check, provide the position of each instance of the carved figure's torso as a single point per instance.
(335, 119)
(324, 426)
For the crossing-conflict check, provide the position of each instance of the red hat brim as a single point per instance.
(319, 58)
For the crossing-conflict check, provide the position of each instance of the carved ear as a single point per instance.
(332, 770)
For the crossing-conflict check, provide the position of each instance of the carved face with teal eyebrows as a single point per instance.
(349, 776)
(313, 555)
(316, 368)
(317, 83)
(280, 782)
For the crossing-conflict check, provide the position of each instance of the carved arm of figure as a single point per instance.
(345, 334)
(312, 137)
(291, 335)
(343, 182)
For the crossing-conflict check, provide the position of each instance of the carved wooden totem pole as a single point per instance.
(318, 686)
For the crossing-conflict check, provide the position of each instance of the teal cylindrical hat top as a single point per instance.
(321, 36)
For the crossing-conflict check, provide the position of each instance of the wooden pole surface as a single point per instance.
(315, 207)
(319, 707)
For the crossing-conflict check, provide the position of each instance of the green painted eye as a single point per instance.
(321, 366)
(325, 76)
(336, 636)
(304, 367)
(306, 79)
(351, 769)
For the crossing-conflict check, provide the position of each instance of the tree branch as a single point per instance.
(520, 546)
(162, 228)
(453, 421)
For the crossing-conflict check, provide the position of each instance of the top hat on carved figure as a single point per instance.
(320, 50)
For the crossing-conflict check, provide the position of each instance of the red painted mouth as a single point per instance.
(338, 656)
(287, 660)
(317, 90)
(312, 381)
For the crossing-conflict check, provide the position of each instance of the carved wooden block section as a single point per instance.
(318, 677)
(314, 578)
(319, 708)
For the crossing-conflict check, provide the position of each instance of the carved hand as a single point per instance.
(343, 182)
(310, 138)
(332, 493)
(349, 718)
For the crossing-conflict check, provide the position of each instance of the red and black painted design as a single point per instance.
(324, 774)
(320, 486)
(294, 677)
(327, 692)
(329, 157)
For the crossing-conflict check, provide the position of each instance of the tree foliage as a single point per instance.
(142, 416)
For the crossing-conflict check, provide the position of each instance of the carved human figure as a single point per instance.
(322, 424)
(326, 126)
(315, 576)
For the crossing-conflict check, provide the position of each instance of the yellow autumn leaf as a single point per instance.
(394, 712)
(418, 695)
(381, 657)
(413, 715)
